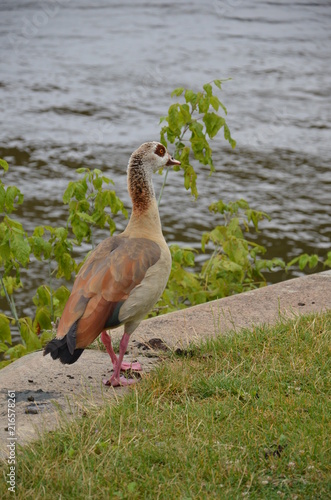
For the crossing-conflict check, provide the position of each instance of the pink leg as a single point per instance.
(106, 340)
(116, 379)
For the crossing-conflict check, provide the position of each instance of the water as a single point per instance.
(84, 84)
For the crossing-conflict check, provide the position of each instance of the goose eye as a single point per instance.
(160, 151)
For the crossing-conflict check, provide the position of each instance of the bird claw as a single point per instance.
(122, 381)
(135, 367)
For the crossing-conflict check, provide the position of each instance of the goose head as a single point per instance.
(151, 156)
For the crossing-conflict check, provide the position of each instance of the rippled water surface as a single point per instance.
(84, 83)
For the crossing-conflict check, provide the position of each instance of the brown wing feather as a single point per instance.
(110, 273)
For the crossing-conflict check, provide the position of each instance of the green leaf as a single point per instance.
(61, 295)
(303, 261)
(231, 266)
(327, 261)
(196, 129)
(3, 348)
(5, 335)
(219, 206)
(227, 136)
(42, 296)
(20, 248)
(191, 97)
(175, 119)
(277, 262)
(97, 183)
(213, 123)
(2, 198)
(209, 89)
(69, 192)
(185, 113)
(162, 136)
(190, 177)
(40, 248)
(13, 195)
(11, 284)
(184, 157)
(43, 319)
(178, 91)
(4, 164)
(223, 107)
(313, 261)
(189, 259)
(96, 172)
(256, 216)
(16, 352)
(204, 103)
(218, 83)
(215, 102)
(29, 337)
(85, 217)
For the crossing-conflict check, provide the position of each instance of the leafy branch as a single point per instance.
(189, 125)
(88, 202)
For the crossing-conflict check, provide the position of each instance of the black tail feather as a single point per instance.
(64, 348)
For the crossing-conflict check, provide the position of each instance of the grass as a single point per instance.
(244, 416)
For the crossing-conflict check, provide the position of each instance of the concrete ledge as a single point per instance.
(48, 392)
(265, 305)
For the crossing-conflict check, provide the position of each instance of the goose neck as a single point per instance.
(140, 187)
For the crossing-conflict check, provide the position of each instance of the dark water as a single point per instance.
(84, 83)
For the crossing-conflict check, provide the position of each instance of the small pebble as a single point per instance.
(32, 410)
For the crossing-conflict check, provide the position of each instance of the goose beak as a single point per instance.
(172, 161)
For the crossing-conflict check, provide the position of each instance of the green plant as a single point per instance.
(235, 262)
(233, 267)
(14, 254)
(311, 261)
(90, 205)
(189, 125)
(49, 306)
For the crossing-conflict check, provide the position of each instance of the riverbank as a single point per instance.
(48, 393)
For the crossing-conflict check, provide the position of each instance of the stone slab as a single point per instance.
(262, 306)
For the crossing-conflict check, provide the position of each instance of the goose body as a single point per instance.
(123, 277)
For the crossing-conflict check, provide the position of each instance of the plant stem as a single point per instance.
(50, 288)
(92, 207)
(205, 273)
(166, 175)
(162, 187)
(11, 304)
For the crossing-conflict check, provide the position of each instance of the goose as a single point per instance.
(123, 277)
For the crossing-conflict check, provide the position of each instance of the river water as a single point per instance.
(84, 83)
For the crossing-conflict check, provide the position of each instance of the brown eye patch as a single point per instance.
(160, 150)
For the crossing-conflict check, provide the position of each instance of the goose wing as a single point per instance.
(103, 284)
